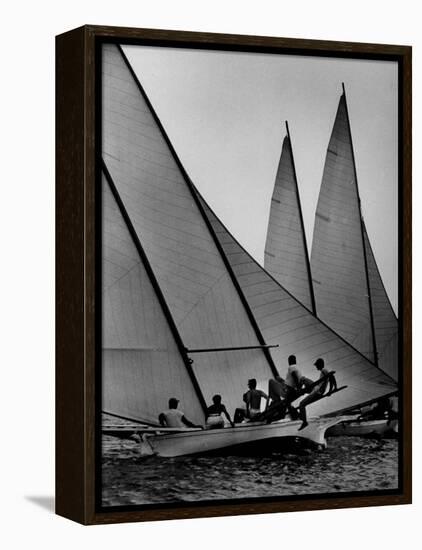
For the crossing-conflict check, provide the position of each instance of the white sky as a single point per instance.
(224, 113)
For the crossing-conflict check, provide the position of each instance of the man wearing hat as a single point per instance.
(174, 418)
(317, 391)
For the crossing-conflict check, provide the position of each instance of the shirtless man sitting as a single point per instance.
(175, 418)
(252, 398)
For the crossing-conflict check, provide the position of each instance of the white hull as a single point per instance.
(206, 441)
(363, 428)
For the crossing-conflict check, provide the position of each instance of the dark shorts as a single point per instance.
(310, 399)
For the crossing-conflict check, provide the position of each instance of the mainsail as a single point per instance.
(216, 294)
(200, 292)
(139, 349)
(286, 252)
(349, 293)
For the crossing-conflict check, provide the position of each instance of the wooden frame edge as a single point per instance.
(75, 269)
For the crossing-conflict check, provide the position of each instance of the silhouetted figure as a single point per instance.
(317, 390)
(214, 417)
(252, 398)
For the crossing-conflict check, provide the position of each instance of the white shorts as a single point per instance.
(214, 421)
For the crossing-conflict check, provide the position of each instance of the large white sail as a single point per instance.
(184, 256)
(350, 295)
(338, 258)
(385, 320)
(284, 321)
(141, 364)
(286, 254)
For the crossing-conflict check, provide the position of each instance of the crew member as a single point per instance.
(252, 398)
(293, 385)
(214, 416)
(174, 417)
(317, 391)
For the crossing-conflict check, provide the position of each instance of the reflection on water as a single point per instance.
(348, 464)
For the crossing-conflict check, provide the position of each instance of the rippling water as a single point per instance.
(348, 464)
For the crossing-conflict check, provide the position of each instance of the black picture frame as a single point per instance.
(78, 252)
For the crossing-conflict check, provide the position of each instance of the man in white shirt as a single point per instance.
(175, 418)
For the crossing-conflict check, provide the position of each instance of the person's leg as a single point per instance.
(291, 395)
(302, 408)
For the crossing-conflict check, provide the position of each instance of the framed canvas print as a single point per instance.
(233, 274)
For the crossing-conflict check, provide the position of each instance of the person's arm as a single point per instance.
(332, 383)
(190, 424)
(266, 397)
(162, 420)
(224, 410)
(246, 400)
(297, 378)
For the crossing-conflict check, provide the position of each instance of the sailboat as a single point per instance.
(186, 311)
(342, 284)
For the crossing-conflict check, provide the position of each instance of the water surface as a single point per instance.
(348, 464)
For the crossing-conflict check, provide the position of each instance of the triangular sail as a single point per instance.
(182, 252)
(338, 258)
(142, 366)
(286, 254)
(385, 320)
(286, 322)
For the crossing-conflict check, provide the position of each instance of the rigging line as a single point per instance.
(195, 197)
(156, 287)
(305, 245)
(122, 277)
(374, 343)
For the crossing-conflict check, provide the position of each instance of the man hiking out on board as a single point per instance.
(317, 390)
(214, 416)
(283, 392)
(252, 398)
(293, 385)
(174, 417)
